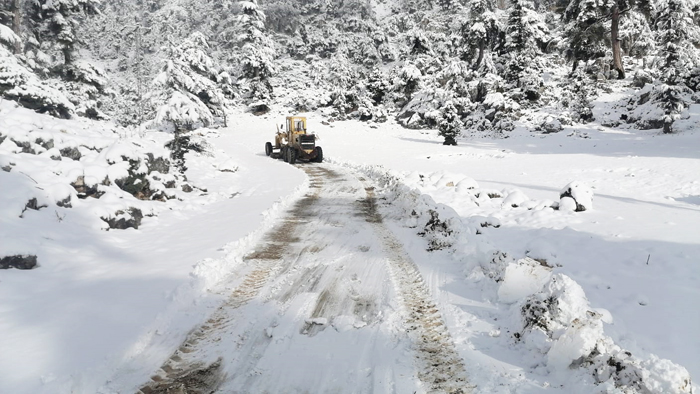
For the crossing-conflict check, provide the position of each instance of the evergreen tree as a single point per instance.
(190, 86)
(589, 34)
(480, 33)
(525, 33)
(449, 124)
(56, 23)
(257, 54)
(678, 36)
(8, 37)
(585, 30)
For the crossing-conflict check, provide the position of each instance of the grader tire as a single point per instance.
(268, 148)
(319, 155)
(292, 156)
(285, 157)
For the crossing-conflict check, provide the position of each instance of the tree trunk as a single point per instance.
(480, 57)
(17, 23)
(617, 52)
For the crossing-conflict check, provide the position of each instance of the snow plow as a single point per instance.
(293, 143)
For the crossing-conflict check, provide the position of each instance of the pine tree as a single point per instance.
(257, 57)
(594, 25)
(189, 85)
(585, 30)
(56, 23)
(678, 35)
(480, 33)
(525, 33)
(449, 124)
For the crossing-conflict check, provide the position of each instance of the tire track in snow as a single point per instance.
(183, 372)
(440, 366)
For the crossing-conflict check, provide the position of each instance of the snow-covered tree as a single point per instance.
(11, 12)
(678, 37)
(8, 37)
(636, 36)
(56, 23)
(449, 124)
(257, 53)
(190, 86)
(17, 83)
(585, 30)
(480, 34)
(526, 32)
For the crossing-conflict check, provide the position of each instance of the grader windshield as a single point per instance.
(296, 124)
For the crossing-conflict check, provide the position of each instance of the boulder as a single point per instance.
(48, 144)
(71, 152)
(20, 262)
(84, 190)
(131, 218)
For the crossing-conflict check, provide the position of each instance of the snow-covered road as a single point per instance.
(331, 303)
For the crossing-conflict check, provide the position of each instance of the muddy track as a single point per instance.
(287, 267)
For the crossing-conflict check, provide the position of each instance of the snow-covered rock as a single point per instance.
(580, 193)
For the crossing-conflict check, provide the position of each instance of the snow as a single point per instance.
(106, 308)
(522, 279)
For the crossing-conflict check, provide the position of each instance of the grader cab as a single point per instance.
(293, 143)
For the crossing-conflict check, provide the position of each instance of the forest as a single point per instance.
(462, 67)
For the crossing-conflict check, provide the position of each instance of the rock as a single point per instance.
(532, 95)
(136, 185)
(26, 146)
(551, 125)
(642, 78)
(20, 262)
(187, 188)
(85, 191)
(580, 193)
(48, 144)
(122, 220)
(65, 203)
(71, 153)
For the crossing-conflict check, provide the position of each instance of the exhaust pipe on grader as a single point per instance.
(292, 143)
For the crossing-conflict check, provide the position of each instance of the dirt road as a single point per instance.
(333, 305)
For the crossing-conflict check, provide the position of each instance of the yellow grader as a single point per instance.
(292, 143)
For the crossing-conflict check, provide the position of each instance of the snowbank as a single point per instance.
(550, 316)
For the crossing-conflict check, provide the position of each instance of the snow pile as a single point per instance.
(558, 322)
(550, 316)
